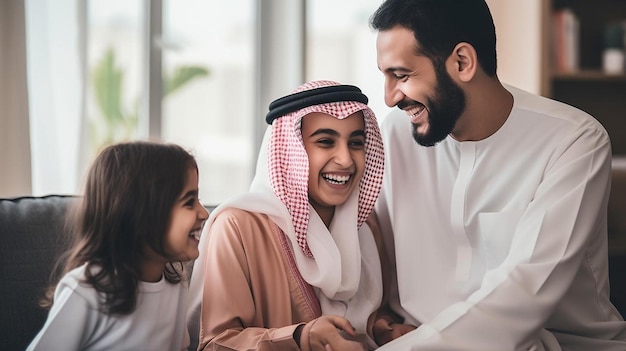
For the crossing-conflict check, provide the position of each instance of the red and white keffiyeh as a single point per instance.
(341, 262)
(289, 165)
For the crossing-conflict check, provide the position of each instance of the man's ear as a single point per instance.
(463, 62)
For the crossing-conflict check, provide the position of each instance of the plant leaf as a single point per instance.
(181, 76)
(108, 87)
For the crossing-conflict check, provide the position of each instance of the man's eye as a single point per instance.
(399, 76)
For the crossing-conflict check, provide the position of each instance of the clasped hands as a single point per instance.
(335, 333)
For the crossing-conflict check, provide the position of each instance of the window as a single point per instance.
(212, 114)
(114, 38)
(194, 72)
(342, 47)
(206, 82)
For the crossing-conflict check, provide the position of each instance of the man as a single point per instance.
(498, 213)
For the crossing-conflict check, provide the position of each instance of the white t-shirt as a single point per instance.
(498, 240)
(75, 322)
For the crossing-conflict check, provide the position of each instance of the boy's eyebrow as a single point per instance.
(333, 132)
(325, 131)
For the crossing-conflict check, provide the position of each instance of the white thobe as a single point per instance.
(501, 244)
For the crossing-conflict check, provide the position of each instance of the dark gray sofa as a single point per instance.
(32, 237)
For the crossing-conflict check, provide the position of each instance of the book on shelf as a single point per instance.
(566, 37)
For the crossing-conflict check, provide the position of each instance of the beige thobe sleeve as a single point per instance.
(250, 298)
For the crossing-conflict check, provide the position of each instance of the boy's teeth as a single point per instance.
(333, 178)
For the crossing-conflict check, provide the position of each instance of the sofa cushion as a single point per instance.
(30, 245)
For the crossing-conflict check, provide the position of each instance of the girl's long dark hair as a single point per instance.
(125, 208)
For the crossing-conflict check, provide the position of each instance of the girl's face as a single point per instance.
(336, 151)
(186, 219)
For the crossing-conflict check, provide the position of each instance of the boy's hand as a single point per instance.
(324, 334)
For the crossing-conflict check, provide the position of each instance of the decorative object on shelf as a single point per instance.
(566, 33)
(590, 88)
(613, 54)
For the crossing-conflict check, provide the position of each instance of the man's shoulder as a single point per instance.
(558, 111)
(396, 125)
(557, 120)
(394, 117)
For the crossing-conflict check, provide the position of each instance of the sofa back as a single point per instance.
(30, 244)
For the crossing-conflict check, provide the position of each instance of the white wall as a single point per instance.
(14, 138)
(519, 40)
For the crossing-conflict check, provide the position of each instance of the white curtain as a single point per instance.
(14, 135)
(55, 51)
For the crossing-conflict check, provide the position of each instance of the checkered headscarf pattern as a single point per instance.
(289, 163)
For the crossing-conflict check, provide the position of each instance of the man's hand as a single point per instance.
(385, 331)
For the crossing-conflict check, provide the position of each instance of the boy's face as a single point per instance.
(336, 152)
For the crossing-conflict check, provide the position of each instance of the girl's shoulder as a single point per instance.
(74, 282)
(74, 277)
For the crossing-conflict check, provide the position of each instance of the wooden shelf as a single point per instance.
(590, 89)
(589, 75)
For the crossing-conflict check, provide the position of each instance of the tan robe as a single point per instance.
(254, 297)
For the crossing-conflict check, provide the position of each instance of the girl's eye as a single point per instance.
(190, 203)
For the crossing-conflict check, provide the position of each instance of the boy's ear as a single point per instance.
(463, 62)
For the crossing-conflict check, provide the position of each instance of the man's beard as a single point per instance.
(444, 109)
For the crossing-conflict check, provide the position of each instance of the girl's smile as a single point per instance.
(195, 235)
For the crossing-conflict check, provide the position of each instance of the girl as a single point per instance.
(138, 220)
(293, 264)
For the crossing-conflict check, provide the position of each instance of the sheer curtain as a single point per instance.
(55, 47)
(14, 136)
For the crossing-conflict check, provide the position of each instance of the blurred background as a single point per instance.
(80, 74)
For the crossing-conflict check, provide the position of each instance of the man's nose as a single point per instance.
(393, 94)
